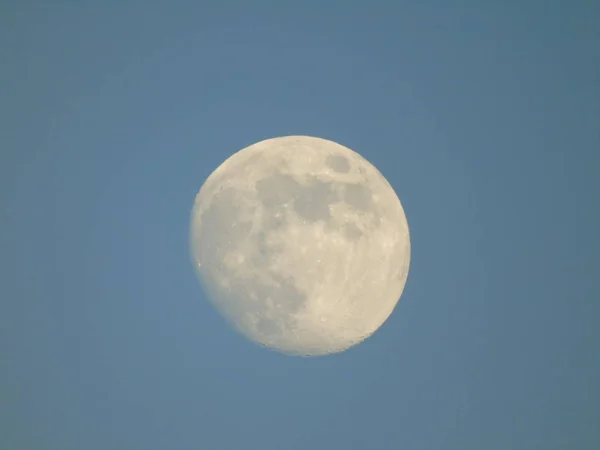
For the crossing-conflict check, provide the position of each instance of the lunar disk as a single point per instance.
(301, 244)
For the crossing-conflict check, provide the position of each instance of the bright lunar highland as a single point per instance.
(301, 244)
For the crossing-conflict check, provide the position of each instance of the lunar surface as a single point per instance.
(301, 244)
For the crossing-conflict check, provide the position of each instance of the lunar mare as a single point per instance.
(301, 244)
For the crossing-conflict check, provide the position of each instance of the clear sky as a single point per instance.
(485, 118)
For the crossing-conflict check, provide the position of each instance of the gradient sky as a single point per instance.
(484, 116)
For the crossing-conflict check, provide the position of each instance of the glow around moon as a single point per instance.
(301, 244)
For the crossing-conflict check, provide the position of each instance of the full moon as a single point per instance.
(301, 244)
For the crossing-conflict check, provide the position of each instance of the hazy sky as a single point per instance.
(485, 118)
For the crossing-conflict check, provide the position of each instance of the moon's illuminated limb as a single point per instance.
(301, 243)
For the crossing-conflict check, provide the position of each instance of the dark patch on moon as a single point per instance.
(263, 251)
(358, 196)
(275, 218)
(287, 296)
(337, 163)
(352, 232)
(312, 202)
(277, 189)
(253, 160)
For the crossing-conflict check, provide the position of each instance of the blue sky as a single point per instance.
(485, 119)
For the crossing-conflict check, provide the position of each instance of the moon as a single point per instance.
(301, 244)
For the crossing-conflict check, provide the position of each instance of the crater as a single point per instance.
(337, 163)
